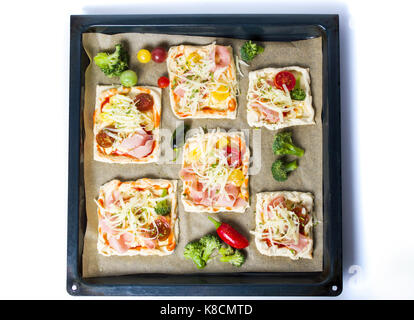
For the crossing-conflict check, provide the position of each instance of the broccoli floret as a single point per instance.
(236, 259)
(226, 250)
(280, 169)
(210, 243)
(298, 94)
(163, 207)
(112, 64)
(194, 251)
(283, 145)
(249, 50)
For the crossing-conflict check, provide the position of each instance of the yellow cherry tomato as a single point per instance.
(222, 142)
(144, 56)
(221, 94)
(236, 177)
(193, 57)
(194, 155)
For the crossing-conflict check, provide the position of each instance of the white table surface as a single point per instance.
(377, 125)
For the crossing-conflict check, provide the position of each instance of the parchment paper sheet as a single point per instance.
(307, 178)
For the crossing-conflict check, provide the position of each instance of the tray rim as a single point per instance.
(330, 277)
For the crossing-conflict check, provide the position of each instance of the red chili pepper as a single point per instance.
(229, 235)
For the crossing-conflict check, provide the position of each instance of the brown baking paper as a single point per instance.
(307, 178)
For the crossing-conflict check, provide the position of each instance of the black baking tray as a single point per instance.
(253, 27)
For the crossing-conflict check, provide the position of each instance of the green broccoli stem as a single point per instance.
(296, 151)
(226, 258)
(290, 166)
(199, 262)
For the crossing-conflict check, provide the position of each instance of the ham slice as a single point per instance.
(211, 198)
(187, 174)
(137, 145)
(278, 201)
(198, 195)
(106, 226)
(221, 57)
(121, 244)
(112, 198)
(228, 201)
(240, 202)
(142, 151)
(301, 245)
(269, 114)
(150, 243)
(179, 92)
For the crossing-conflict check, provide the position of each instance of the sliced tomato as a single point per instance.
(303, 218)
(285, 78)
(144, 101)
(163, 227)
(233, 156)
(103, 139)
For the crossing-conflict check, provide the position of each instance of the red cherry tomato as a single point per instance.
(163, 82)
(159, 54)
(285, 78)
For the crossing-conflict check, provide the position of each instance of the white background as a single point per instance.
(377, 119)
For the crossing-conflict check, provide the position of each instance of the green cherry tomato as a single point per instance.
(128, 78)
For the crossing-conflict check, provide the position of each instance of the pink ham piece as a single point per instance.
(269, 114)
(301, 245)
(279, 200)
(112, 198)
(227, 201)
(240, 202)
(221, 57)
(187, 174)
(106, 226)
(213, 199)
(122, 244)
(198, 195)
(179, 92)
(138, 145)
(149, 243)
(142, 151)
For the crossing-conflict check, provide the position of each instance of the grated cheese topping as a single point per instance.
(198, 85)
(280, 225)
(211, 166)
(134, 214)
(264, 93)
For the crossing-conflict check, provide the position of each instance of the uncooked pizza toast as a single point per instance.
(284, 224)
(203, 81)
(137, 217)
(215, 172)
(279, 98)
(126, 124)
